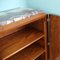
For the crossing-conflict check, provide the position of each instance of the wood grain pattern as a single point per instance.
(23, 36)
(34, 51)
(54, 37)
(45, 38)
(18, 41)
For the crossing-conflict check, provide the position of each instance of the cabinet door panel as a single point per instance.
(54, 37)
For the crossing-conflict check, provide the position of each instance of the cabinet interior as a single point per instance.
(26, 43)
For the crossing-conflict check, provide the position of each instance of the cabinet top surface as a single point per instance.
(11, 16)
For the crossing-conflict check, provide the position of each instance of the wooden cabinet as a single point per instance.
(25, 39)
(54, 37)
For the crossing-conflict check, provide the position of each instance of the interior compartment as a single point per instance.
(39, 25)
(41, 42)
(33, 52)
(42, 57)
(24, 37)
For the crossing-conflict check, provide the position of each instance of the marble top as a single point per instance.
(7, 17)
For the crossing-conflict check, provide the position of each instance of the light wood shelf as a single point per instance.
(18, 41)
(29, 53)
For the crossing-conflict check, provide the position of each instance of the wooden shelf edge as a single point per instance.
(29, 53)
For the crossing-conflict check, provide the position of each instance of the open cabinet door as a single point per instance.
(54, 37)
